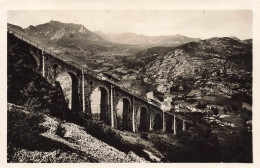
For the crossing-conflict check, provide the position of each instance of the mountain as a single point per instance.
(135, 39)
(248, 41)
(76, 42)
(214, 59)
(16, 28)
(55, 31)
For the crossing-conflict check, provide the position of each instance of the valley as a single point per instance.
(207, 82)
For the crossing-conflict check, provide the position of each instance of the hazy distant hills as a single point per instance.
(135, 39)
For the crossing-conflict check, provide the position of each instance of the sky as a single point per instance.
(191, 23)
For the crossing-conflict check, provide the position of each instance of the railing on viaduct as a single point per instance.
(44, 49)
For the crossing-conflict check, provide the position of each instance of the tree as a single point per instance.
(204, 105)
(198, 105)
(234, 108)
(215, 111)
(225, 111)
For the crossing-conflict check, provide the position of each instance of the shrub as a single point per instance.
(225, 111)
(144, 135)
(201, 106)
(247, 114)
(215, 111)
(60, 130)
(234, 108)
(198, 105)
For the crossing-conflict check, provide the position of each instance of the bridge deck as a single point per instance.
(180, 117)
(46, 50)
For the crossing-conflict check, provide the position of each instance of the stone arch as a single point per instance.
(36, 57)
(169, 125)
(57, 69)
(100, 101)
(32, 62)
(72, 85)
(75, 96)
(37, 60)
(143, 118)
(157, 122)
(124, 114)
(100, 86)
(178, 125)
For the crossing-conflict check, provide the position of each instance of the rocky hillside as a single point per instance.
(143, 58)
(205, 59)
(136, 39)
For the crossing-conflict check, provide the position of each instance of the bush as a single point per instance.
(234, 108)
(198, 105)
(246, 114)
(201, 106)
(225, 111)
(215, 111)
(144, 135)
(60, 130)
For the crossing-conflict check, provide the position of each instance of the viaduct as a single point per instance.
(151, 117)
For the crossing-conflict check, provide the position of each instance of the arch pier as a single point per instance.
(174, 123)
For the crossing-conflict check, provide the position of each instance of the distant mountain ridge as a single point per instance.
(75, 42)
(135, 39)
(55, 31)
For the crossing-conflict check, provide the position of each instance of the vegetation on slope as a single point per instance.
(26, 85)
